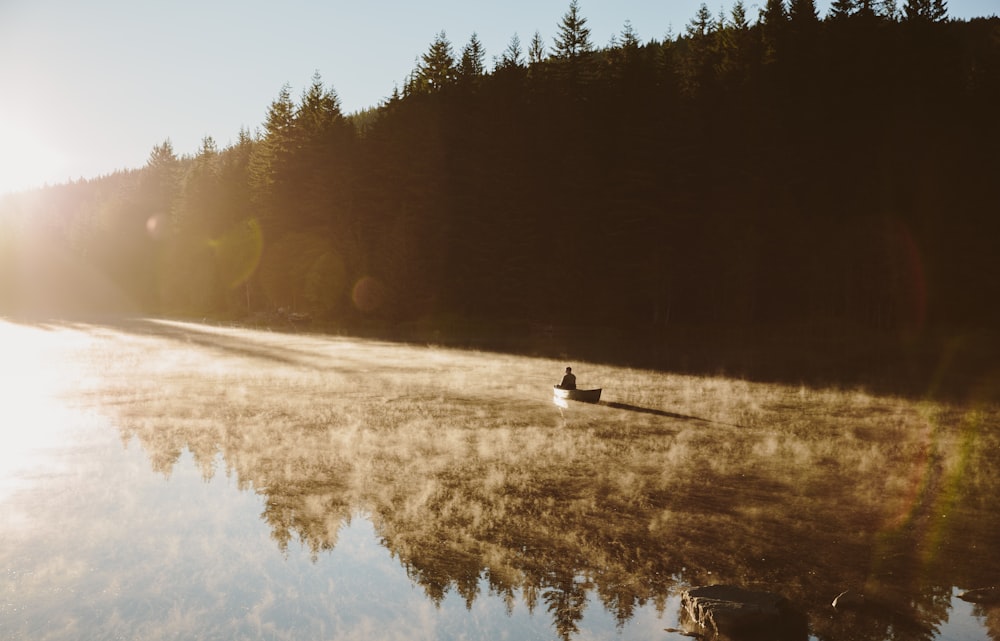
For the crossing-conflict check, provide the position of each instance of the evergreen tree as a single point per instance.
(536, 49)
(161, 181)
(140, 222)
(888, 9)
(280, 114)
(803, 13)
(774, 23)
(238, 250)
(939, 11)
(190, 283)
(436, 69)
(803, 25)
(774, 13)
(473, 63)
(735, 46)
(700, 57)
(209, 148)
(200, 197)
(320, 168)
(925, 10)
(319, 109)
(840, 9)
(162, 158)
(865, 9)
(316, 194)
(269, 158)
(916, 9)
(801, 173)
(512, 56)
(629, 37)
(738, 16)
(573, 39)
(701, 24)
(624, 54)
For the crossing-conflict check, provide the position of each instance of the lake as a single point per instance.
(168, 480)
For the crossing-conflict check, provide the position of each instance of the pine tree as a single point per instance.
(311, 194)
(701, 23)
(536, 49)
(803, 27)
(436, 69)
(623, 51)
(150, 218)
(734, 45)
(191, 283)
(238, 250)
(738, 16)
(774, 24)
(888, 9)
(840, 9)
(629, 37)
(512, 56)
(201, 196)
(698, 63)
(473, 63)
(774, 13)
(318, 113)
(319, 171)
(161, 179)
(573, 40)
(939, 11)
(162, 157)
(280, 114)
(925, 10)
(803, 13)
(272, 154)
(865, 9)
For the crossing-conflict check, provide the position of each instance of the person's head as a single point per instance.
(569, 370)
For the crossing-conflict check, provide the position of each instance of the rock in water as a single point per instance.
(983, 596)
(736, 612)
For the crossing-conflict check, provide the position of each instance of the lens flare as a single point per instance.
(156, 226)
(238, 252)
(368, 294)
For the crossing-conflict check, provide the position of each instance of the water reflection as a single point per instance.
(496, 495)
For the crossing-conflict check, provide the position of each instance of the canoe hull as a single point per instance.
(582, 395)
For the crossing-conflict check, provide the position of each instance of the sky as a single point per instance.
(88, 88)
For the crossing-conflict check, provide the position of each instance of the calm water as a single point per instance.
(169, 482)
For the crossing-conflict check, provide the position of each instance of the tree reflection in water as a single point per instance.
(802, 492)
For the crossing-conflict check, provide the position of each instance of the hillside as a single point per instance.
(836, 175)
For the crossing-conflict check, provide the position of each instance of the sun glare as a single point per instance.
(33, 420)
(26, 161)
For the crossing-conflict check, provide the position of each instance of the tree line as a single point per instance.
(750, 171)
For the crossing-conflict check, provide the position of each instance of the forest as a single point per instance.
(835, 173)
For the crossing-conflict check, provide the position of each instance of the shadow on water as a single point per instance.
(184, 333)
(664, 413)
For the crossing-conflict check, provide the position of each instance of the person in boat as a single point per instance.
(568, 379)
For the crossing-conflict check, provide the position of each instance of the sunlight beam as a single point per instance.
(26, 161)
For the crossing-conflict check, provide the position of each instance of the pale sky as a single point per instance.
(88, 87)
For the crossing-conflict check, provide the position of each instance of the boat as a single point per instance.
(582, 395)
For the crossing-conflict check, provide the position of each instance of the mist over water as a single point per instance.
(168, 480)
